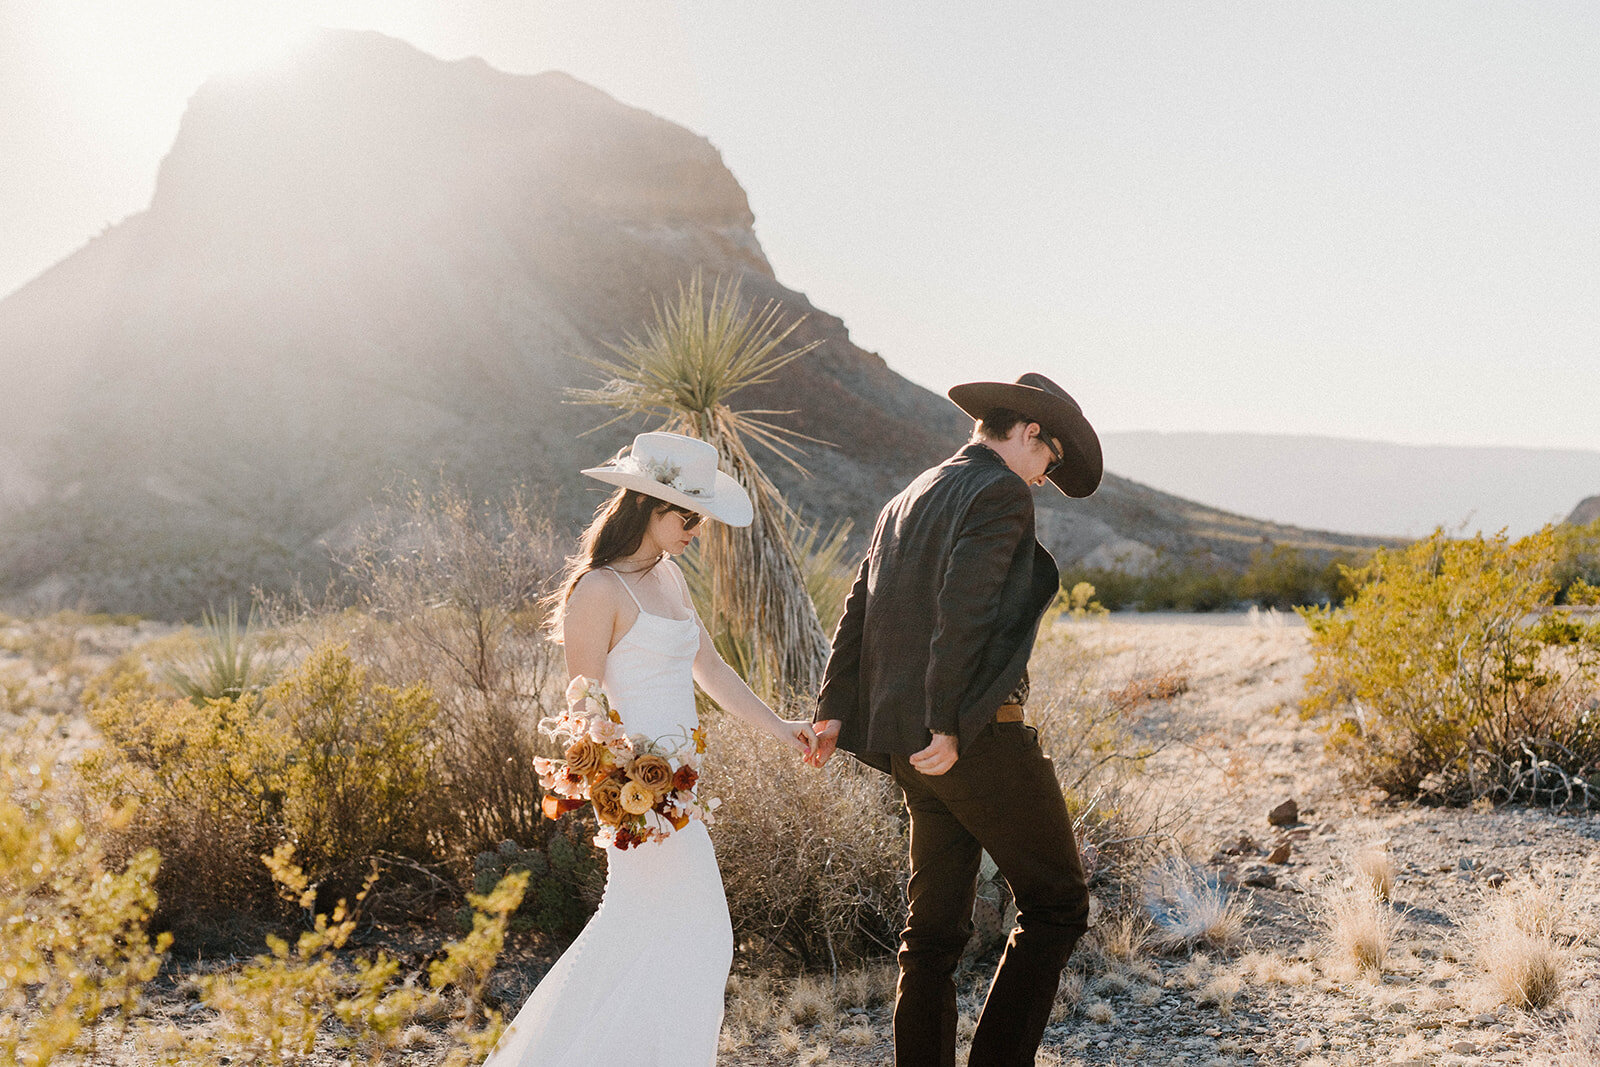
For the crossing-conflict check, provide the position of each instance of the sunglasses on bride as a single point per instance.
(691, 519)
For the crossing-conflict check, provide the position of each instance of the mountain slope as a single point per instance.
(374, 266)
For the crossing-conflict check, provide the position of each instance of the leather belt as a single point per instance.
(1009, 713)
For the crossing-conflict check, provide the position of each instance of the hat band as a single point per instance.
(664, 471)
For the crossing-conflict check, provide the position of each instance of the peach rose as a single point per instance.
(607, 797)
(636, 799)
(585, 757)
(652, 772)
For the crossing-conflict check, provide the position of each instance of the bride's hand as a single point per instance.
(799, 735)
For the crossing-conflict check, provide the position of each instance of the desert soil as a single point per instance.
(1235, 747)
(1276, 997)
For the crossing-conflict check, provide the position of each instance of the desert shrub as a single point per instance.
(325, 757)
(74, 947)
(1277, 576)
(1577, 565)
(813, 862)
(1284, 577)
(298, 1001)
(1449, 676)
(441, 591)
(207, 782)
(564, 878)
(361, 772)
(445, 593)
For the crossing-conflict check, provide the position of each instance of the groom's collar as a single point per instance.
(981, 451)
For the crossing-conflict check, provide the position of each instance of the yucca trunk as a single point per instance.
(756, 577)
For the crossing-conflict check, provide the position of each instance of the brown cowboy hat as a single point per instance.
(1045, 402)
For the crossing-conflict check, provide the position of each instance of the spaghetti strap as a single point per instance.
(625, 588)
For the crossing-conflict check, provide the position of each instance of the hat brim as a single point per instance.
(727, 502)
(1079, 475)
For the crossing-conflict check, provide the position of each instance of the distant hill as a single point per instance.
(376, 266)
(1362, 487)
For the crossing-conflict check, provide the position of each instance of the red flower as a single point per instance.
(685, 778)
(625, 838)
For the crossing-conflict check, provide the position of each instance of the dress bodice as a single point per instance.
(649, 676)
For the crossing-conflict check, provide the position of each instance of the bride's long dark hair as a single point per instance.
(617, 530)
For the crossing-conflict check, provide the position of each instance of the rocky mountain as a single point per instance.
(1370, 487)
(373, 266)
(1587, 511)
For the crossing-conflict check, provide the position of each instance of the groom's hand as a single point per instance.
(827, 739)
(938, 757)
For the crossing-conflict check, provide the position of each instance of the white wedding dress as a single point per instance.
(643, 984)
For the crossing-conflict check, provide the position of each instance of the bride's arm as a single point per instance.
(723, 684)
(586, 625)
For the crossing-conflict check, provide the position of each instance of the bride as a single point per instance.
(646, 976)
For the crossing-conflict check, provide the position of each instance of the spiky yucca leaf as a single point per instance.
(690, 361)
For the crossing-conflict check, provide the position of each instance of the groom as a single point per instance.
(928, 681)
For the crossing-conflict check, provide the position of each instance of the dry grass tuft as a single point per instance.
(809, 1000)
(859, 1034)
(1189, 908)
(1098, 1011)
(1221, 992)
(1522, 941)
(1373, 863)
(1358, 926)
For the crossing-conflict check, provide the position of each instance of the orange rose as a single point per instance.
(607, 797)
(585, 757)
(652, 772)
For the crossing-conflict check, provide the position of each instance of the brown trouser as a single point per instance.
(1001, 797)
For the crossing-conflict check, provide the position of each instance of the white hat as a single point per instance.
(680, 470)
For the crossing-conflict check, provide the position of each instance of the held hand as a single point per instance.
(938, 757)
(798, 735)
(827, 732)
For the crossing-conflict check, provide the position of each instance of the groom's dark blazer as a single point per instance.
(942, 617)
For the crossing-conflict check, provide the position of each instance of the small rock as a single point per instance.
(1281, 853)
(1285, 814)
(1494, 877)
(1245, 846)
(1464, 1048)
(1429, 1024)
(1467, 863)
(1395, 1007)
(1486, 1019)
(1259, 877)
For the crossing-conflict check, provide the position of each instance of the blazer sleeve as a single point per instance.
(841, 679)
(969, 595)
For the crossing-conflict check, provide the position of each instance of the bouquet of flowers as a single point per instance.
(642, 789)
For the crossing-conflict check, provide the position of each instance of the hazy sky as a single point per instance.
(1373, 220)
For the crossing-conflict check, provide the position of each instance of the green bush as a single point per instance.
(1278, 576)
(1449, 674)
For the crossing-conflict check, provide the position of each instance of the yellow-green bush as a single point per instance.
(73, 946)
(1450, 675)
(302, 999)
(324, 758)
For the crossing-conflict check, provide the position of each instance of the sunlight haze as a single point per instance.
(1361, 220)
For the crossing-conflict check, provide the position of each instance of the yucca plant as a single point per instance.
(229, 663)
(696, 354)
